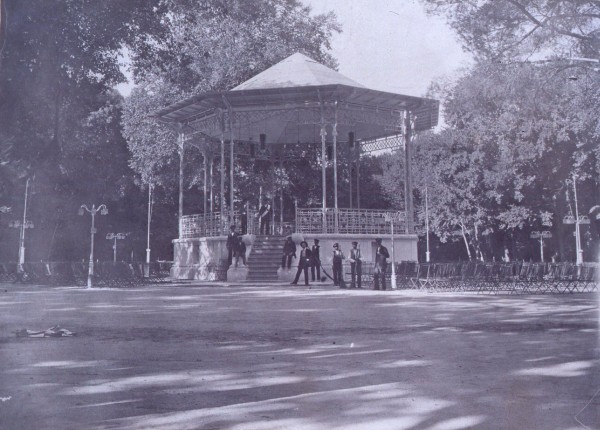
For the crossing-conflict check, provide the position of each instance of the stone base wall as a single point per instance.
(203, 258)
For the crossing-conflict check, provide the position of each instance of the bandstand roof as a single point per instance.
(288, 102)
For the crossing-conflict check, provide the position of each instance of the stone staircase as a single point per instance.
(265, 258)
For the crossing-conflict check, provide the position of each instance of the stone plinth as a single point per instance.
(287, 275)
(202, 258)
(237, 274)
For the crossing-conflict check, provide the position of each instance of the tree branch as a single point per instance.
(544, 23)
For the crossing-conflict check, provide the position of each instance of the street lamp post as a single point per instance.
(23, 225)
(103, 211)
(541, 235)
(427, 253)
(115, 236)
(391, 217)
(577, 220)
(150, 189)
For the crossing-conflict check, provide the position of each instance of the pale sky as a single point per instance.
(392, 45)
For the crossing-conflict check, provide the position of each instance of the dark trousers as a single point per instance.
(265, 225)
(286, 259)
(338, 277)
(379, 273)
(301, 267)
(238, 255)
(356, 270)
(229, 256)
(315, 266)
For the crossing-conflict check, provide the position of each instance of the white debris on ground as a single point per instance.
(55, 331)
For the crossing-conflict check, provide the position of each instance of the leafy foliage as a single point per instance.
(515, 134)
(497, 29)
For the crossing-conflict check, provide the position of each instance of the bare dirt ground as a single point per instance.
(290, 358)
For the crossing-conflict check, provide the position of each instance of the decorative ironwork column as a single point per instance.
(351, 176)
(222, 200)
(204, 184)
(335, 186)
(181, 141)
(231, 159)
(324, 166)
(281, 193)
(231, 170)
(272, 146)
(358, 180)
(408, 187)
(212, 185)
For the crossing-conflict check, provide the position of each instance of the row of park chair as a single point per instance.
(493, 277)
(106, 274)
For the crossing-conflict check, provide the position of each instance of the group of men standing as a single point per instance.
(311, 258)
(308, 258)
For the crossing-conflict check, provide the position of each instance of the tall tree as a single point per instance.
(59, 116)
(499, 29)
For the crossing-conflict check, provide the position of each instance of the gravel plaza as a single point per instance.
(282, 357)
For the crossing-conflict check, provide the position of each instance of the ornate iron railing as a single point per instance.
(207, 225)
(349, 221)
(308, 220)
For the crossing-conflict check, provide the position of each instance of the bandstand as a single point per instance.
(276, 116)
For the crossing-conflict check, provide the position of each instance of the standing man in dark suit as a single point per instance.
(355, 266)
(338, 257)
(244, 219)
(240, 251)
(303, 263)
(381, 256)
(316, 261)
(264, 215)
(231, 244)
(289, 251)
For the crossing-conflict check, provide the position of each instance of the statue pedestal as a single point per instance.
(237, 274)
(287, 275)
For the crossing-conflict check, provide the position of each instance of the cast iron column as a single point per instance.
(180, 213)
(335, 178)
(408, 198)
(222, 201)
(231, 169)
(323, 167)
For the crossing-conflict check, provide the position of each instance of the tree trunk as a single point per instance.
(477, 244)
(464, 235)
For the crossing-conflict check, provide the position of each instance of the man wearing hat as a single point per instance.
(355, 266)
(264, 215)
(338, 256)
(303, 263)
(316, 261)
(381, 256)
(231, 244)
(289, 251)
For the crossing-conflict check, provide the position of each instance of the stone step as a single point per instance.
(265, 258)
(269, 269)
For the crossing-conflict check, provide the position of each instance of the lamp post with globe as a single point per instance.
(392, 217)
(577, 220)
(103, 211)
(22, 225)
